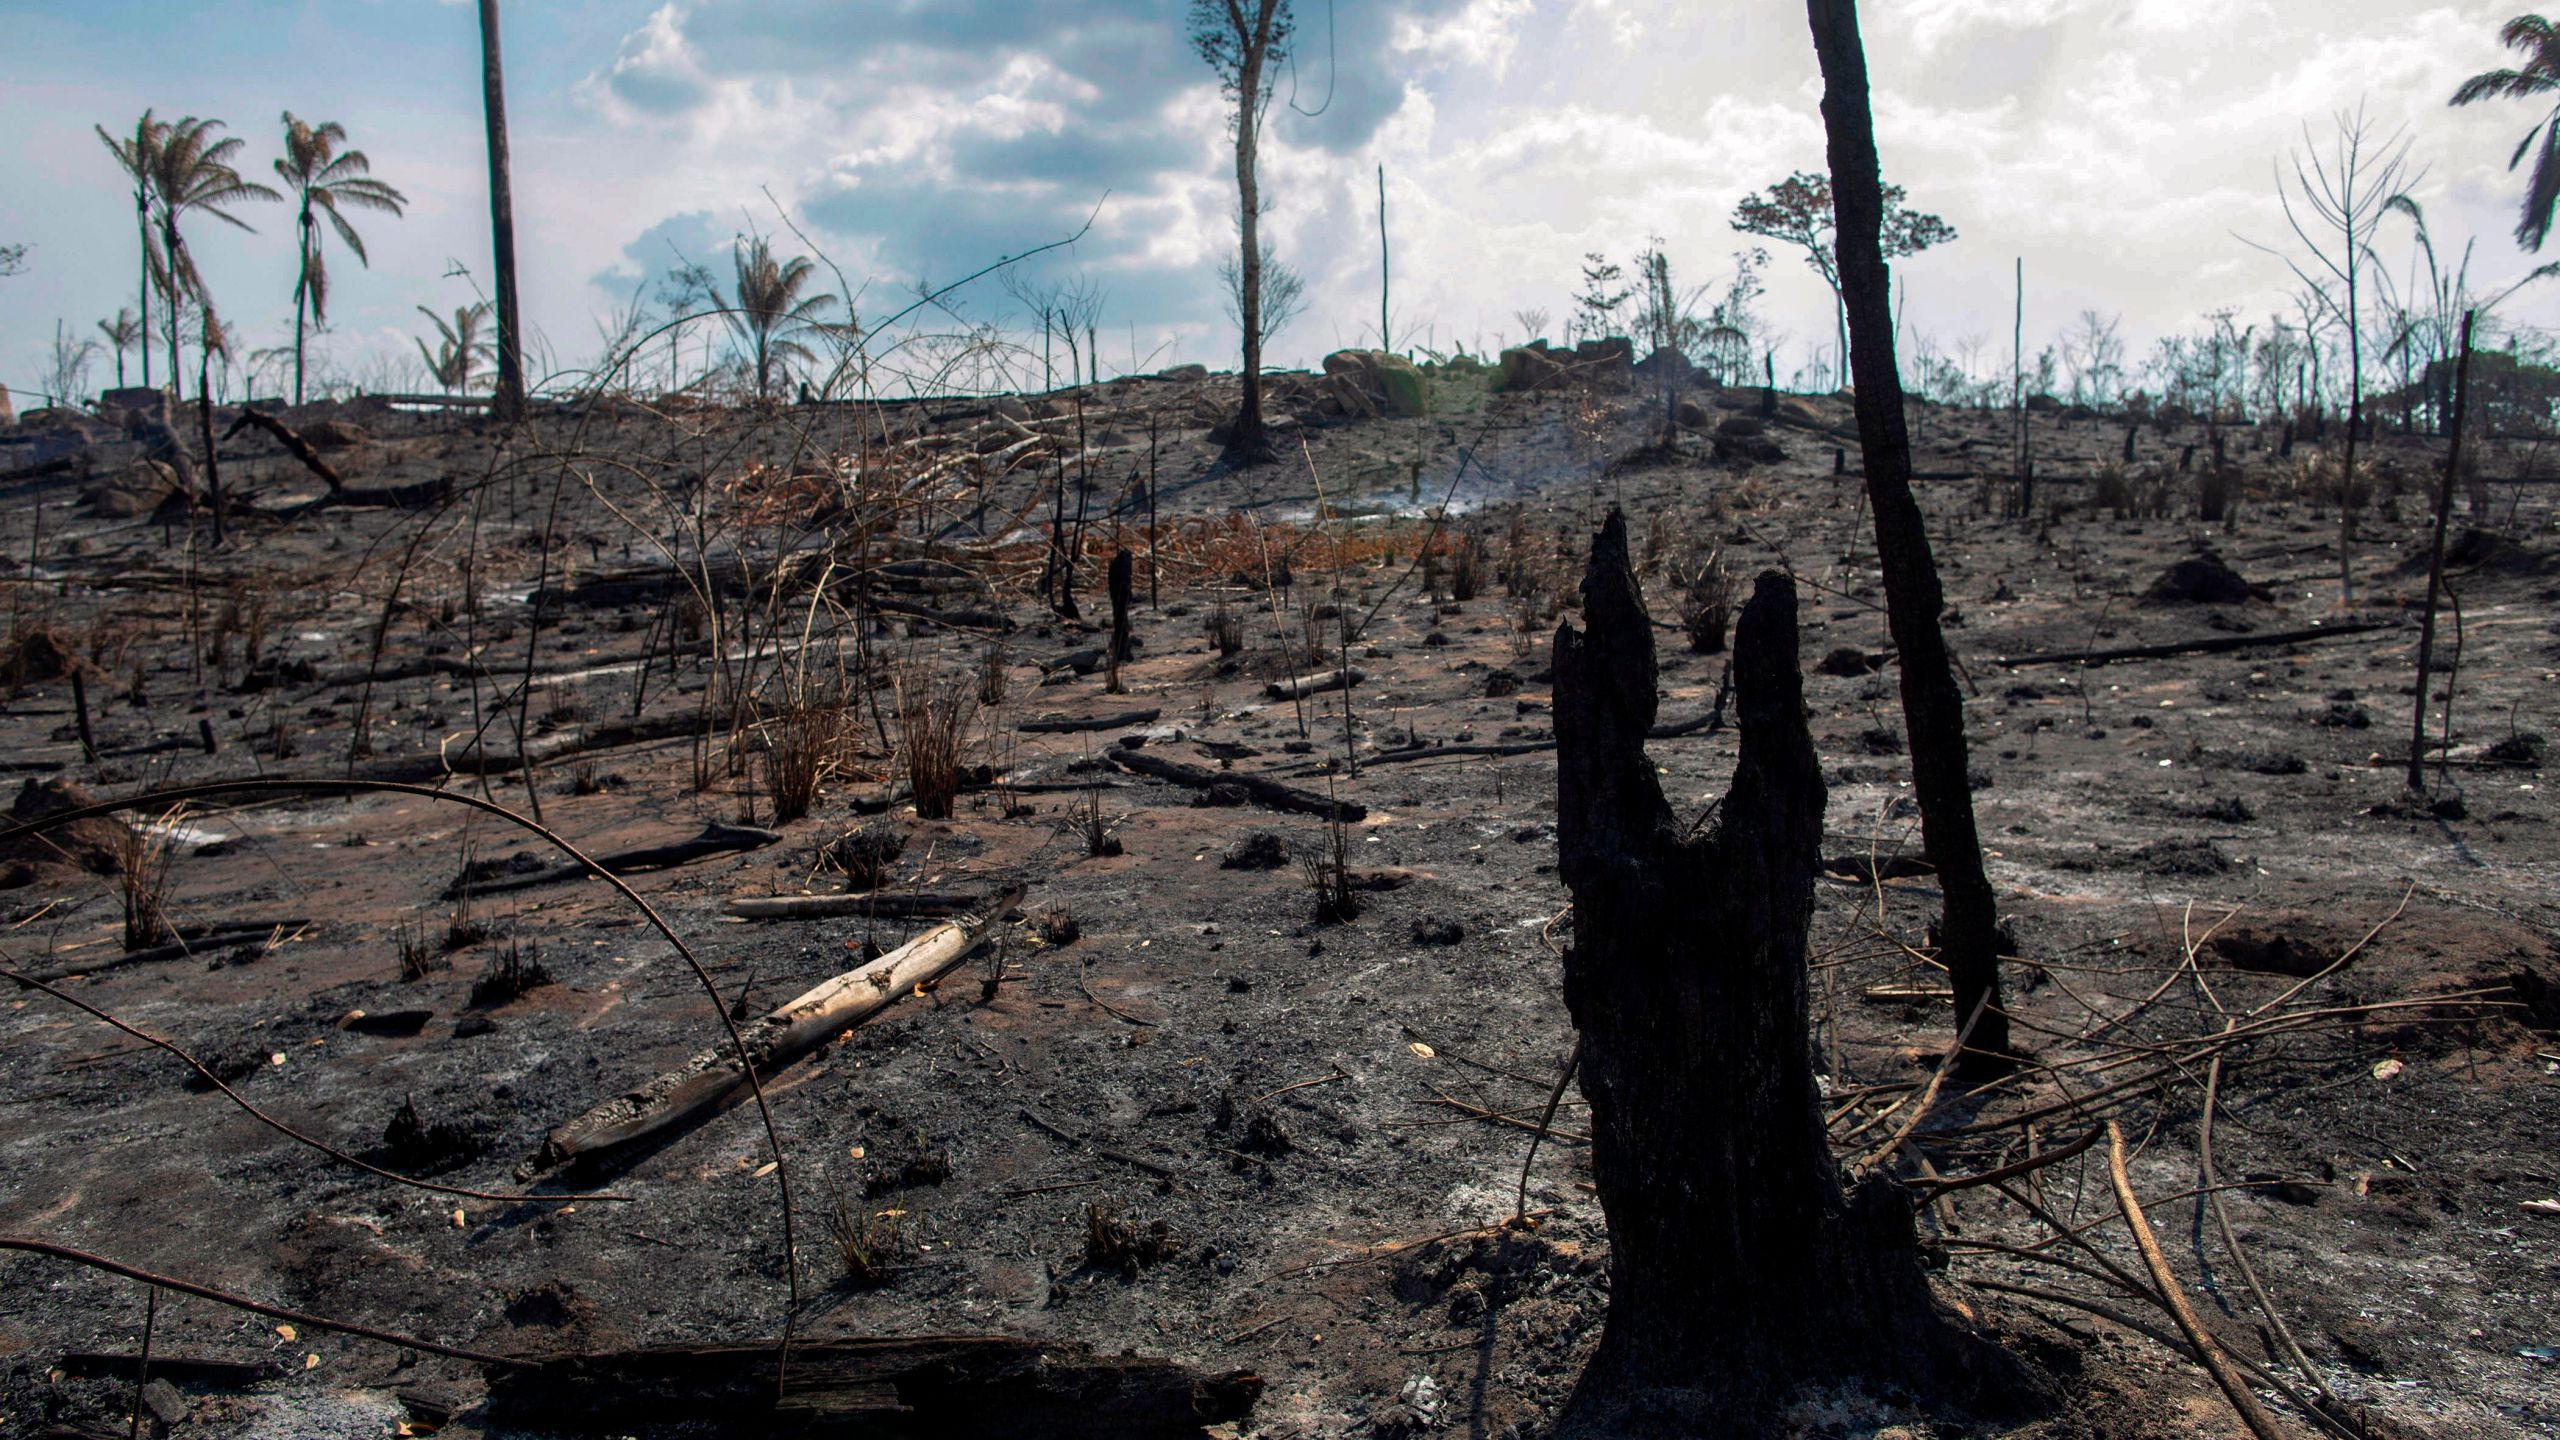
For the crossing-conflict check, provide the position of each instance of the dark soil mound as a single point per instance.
(2202, 580)
(2483, 550)
(95, 844)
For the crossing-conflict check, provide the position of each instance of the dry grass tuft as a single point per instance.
(933, 721)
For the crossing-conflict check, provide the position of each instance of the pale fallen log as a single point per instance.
(886, 904)
(1308, 685)
(702, 1083)
(1122, 720)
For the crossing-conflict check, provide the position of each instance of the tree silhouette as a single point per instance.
(460, 348)
(134, 153)
(1245, 41)
(1797, 210)
(509, 402)
(324, 179)
(191, 171)
(2539, 78)
(768, 313)
(1932, 706)
(123, 333)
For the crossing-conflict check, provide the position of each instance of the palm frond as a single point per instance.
(2525, 32)
(2541, 193)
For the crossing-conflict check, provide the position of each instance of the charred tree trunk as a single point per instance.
(508, 404)
(1124, 574)
(1738, 1269)
(1932, 706)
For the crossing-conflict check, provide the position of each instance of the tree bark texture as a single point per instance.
(1738, 1269)
(508, 404)
(1932, 706)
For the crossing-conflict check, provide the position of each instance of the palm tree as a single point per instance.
(508, 405)
(322, 178)
(124, 333)
(138, 154)
(2540, 77)
(191, 170)
(461, 348)
(769, 313)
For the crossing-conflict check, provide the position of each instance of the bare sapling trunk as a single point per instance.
(1250, 441)
(1932, 706)
(1739, 1270)
(2435, 569)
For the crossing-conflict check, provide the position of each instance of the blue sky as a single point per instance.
(2116, 145)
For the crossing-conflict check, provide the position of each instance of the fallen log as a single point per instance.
(955, 619)
(1307, 685)
(197, 941)
(996, 1386)
(176, 1369)
(885, 904)
(549, 750)
(1118, 721)
(1267, 791)
(1714, 720)
(2201, 645)
(1065, 667)
(424, 494)
(299, 448)
(716, 839)
(702, 1083)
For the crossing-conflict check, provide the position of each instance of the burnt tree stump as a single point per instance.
(1739, 1270)
(1123, 576)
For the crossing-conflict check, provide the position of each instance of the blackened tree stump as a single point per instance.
(1738, 1268)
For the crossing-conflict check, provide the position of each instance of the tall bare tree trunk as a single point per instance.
(173, 249)
(1385, 342)
(508, 403)
(142, 228)
(301, 293)
(2435, 572)
(1738, 1270)
(1932, 706)
(1250, 442)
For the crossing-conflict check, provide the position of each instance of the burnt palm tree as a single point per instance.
(191, 171)
(325, 180)
(508, 404)
(136, 153)
(459, 349)
(2539, 79)
(123, 333)
(768, 314)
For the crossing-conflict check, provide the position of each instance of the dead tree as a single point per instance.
(1124, 569)
(508, 403)
(1932, 706)
(1738, 1268)
(1246, 42)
